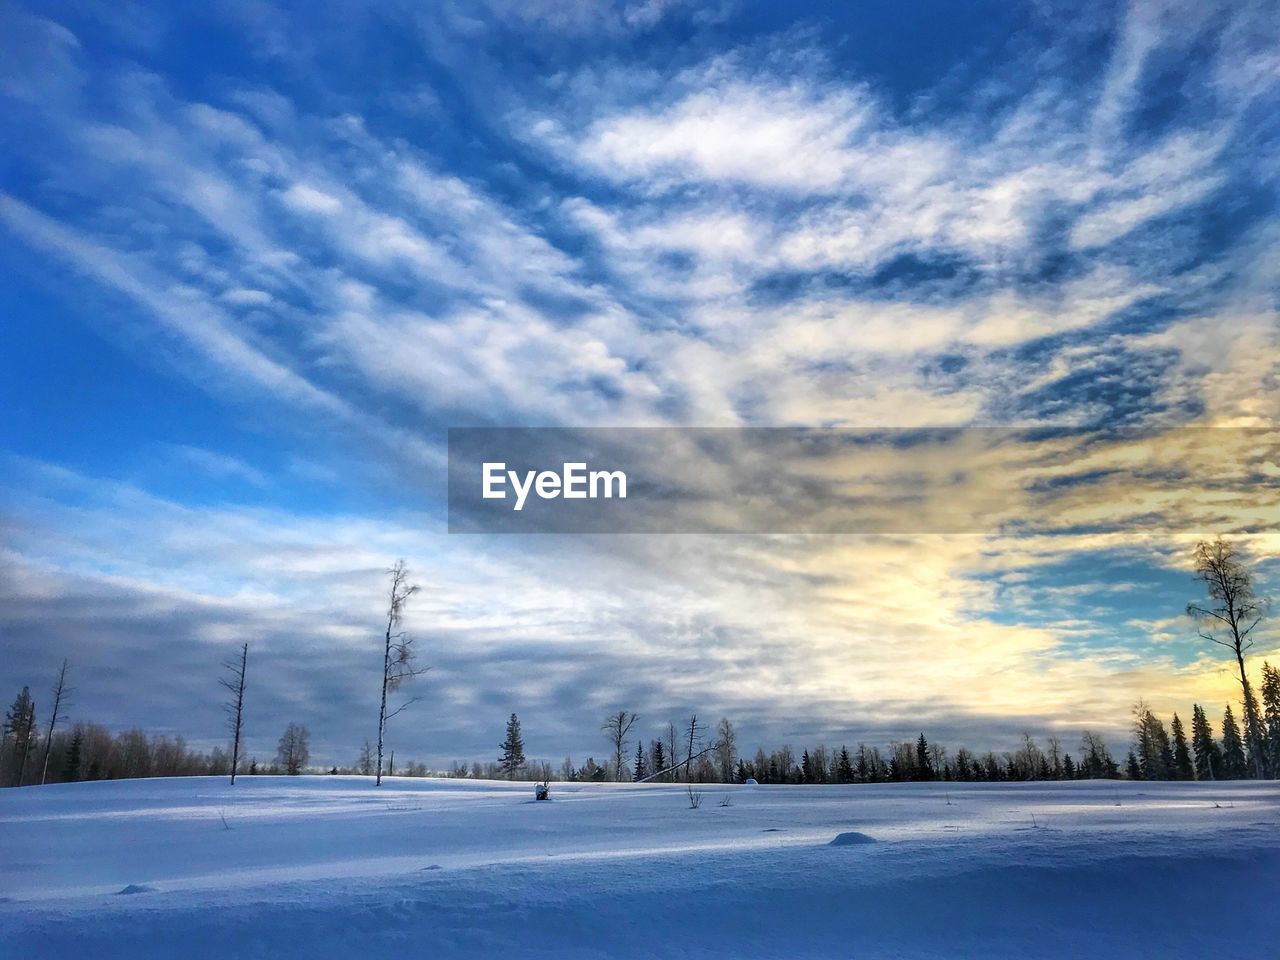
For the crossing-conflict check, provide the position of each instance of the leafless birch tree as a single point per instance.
(1230, 622)
(616, 727)
(673, 742)
(397, 653)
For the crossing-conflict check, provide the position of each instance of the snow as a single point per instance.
(328, 867)
(851, 838)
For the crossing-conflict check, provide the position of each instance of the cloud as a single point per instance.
(894, 631)
(219, 465)
(741, 133)
(768, 233)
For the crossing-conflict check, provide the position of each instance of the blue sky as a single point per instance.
(259, 257)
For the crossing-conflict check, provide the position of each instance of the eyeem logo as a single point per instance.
(574, 482)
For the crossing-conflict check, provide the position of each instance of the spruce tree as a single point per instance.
(1271, 717)
(1132, 767)
(1233, 761)
(659, 757)
(641, 771)
(1256, 746)
(806, 768)
(844, 767)
(1166, 751)
(1204, 749)
(924, 764)
(1068, 767)
(1151, 745)
(20, 724)
(71, 766)
(512, 758)
(1182, 769)
(862, 769)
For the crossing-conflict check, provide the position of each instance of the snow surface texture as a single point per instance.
(331, 867)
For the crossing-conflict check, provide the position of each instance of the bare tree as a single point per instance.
(1054, 755)
(60, 693)
(673, 741)
(671, 771)
(234, 706)
(726, 749)
(1230, 621)
(294, 750)
(693, 738)
(397, 653)
(616, 727)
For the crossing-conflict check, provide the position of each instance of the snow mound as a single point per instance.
(851, 839)
(136, 888)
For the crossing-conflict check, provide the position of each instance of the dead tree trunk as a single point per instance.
(60, 692)
(671, 770)
(235, 706)
(695, 737)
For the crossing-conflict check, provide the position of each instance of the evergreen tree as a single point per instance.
(1271, 717)
(1182, 768)
(1068, 767)
(592, 771)
(641, 770)
(844, 767)
(1233, 761)
(924, 764)
(1256, 746)
(20, 726)
(1132, 767)
(512, 758)
(806, 768)
(1166, 751)
(1151, 745)
(71, 767)
(862, 768)
(1208, 758)
(659, 757)
(1096, 761)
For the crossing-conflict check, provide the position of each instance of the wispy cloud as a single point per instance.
(768, 232)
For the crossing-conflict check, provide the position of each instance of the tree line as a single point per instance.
(32, 752)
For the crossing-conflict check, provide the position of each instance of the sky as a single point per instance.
(258, 258)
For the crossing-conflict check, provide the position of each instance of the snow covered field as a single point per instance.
(331, 867)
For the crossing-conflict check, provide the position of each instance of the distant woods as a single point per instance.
(1159, 752)
(1242, 743)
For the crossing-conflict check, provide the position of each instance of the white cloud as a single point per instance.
(308, 199)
